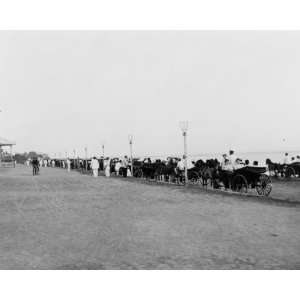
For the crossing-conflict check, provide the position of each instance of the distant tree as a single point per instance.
(22, 157)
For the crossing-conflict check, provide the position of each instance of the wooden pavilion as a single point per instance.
(6, 157)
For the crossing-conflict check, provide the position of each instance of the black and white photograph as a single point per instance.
(149, 151)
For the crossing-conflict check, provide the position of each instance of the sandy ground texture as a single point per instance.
(286, 189)
(71, 221)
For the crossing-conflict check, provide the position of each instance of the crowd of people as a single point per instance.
(231, 162)
(122, 166)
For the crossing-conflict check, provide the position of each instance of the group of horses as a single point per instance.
(167, 171)
(208, 173)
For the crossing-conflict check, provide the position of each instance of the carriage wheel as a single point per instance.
(194, 178)
(264, 185)
(139, 173)
(239, 184)
(180, 180)
(290, 172)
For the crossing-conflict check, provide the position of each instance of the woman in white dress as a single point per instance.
(117, 167)
(107, 167)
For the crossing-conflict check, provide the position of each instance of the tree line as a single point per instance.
(21, 158)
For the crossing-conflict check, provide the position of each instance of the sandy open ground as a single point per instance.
(71, 221)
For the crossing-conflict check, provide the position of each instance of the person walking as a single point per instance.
(35, 166)
(95, 166)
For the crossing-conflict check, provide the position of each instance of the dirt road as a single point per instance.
(71, 221)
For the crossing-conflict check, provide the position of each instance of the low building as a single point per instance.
(6, 155)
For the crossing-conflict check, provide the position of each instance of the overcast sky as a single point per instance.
(64, 90)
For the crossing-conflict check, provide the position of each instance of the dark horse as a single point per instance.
(208, 172)
(169, 172)
(158, 170)
(148, 169)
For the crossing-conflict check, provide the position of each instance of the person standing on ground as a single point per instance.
(124, 166)
(95, 166)
(35, 166)
(117, 167)
(68, 165)
(40, 162)
(107, 167)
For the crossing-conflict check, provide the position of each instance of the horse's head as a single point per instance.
(199, 163)
(268, 162)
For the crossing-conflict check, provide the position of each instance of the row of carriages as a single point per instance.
(206, 175)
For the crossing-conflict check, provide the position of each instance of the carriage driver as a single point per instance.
(238, 164)
(286, 159)
(232, 158)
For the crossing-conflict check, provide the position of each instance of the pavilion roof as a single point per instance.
(5, 142)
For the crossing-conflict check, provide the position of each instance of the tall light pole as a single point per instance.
(60, 162)
(85, 150)
(184, 128)
(74, 156)
(103, 150)
(130, 139)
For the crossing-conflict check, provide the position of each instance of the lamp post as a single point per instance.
(103, 150)
(184, 128)
(130, 139)
(74, 157)
(85, 150)
(60, 162)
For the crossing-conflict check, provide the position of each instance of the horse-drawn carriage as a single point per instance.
(246, 178)
(207, 173)
(295, 169)
(284, 171)
(289, 171)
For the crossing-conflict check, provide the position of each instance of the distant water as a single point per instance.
(251, 156)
